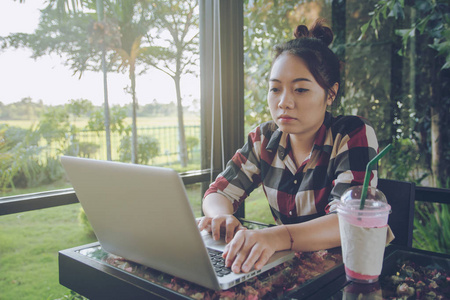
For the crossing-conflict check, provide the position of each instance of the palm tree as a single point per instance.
(70, 5)
(100, 16)
(134, 21)
(180, 20)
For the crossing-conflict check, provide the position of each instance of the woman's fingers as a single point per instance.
(263, 258)
(232, 249)
(252, 258)
(216, 223)
(245, 248)
(227, 224)
(204, 223)
(248, 249)
(232, 226)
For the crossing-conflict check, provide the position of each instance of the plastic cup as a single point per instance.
(363, 233)
(358, 291)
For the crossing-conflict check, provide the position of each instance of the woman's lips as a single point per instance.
(285, 118)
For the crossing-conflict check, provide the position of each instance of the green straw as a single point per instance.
(368, 171)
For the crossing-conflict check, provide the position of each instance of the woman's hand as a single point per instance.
(221, 223)
(250, 248)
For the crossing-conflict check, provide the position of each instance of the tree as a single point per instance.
(107, 36)
(64, 29)
(118, 114)
(133, 18)
(133, 21)
(180, 20)
(25, 109)
(148, 148)
(79, 107)
(103, 26)
(426, 31)
(54, 126)
(18, 150)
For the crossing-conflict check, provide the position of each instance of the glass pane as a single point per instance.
(31, 241)
(268, 23)
(195, 195)
(54, 103)
(390, 75)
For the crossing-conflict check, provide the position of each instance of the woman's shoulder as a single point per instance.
(265, 128)
(346, 124)
(268, 126)
(264, 131)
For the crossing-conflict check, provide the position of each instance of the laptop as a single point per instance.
(142, 214)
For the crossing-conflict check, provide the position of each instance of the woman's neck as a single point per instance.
(302, 143)
(301, 147)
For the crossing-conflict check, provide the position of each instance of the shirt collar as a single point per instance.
(322, 132)
(279, 141)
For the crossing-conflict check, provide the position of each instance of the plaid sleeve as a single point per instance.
(242, 173)
(354, 146)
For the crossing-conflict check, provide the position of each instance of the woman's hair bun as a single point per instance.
(301, 31)
(318, 30)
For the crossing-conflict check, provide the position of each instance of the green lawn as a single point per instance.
(257, 208)
(29, 245)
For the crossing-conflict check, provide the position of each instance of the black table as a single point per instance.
(407, 273)
(96, 274)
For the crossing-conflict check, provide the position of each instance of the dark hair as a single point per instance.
(311, 45)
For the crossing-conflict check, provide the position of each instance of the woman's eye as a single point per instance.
(273, 90)
(300, 90)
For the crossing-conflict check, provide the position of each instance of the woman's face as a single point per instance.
(297, 102)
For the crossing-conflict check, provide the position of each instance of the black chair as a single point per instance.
(401, 196)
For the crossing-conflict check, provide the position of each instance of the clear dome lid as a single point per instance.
(375, 199)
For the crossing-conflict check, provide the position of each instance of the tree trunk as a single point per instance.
(435, 141)
(435, 114)
(100, 17)
(106, 107)
(338, 17)
(134, 143)
(181, 132)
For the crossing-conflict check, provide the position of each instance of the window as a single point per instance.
(142, 105)
(77, 126)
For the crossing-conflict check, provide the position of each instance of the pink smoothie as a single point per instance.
(359, 276)
(363, 238)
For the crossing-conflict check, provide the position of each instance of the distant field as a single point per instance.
(189, 119)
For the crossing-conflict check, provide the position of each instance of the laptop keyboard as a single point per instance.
(218, 263)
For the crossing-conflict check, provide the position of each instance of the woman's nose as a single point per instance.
(286, 101)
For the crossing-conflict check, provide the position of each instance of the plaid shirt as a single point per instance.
(342, 148)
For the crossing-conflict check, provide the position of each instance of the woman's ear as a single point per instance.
(332, 94)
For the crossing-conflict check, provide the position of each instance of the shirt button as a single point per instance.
(290, 212)
(295, 181)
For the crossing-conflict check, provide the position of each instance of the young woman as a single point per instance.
(304, 159)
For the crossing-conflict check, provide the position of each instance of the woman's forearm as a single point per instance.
(318, 234)
(216, 204)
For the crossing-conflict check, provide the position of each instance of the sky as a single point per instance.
(47, 79)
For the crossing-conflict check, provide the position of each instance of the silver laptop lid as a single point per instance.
(142, 214)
